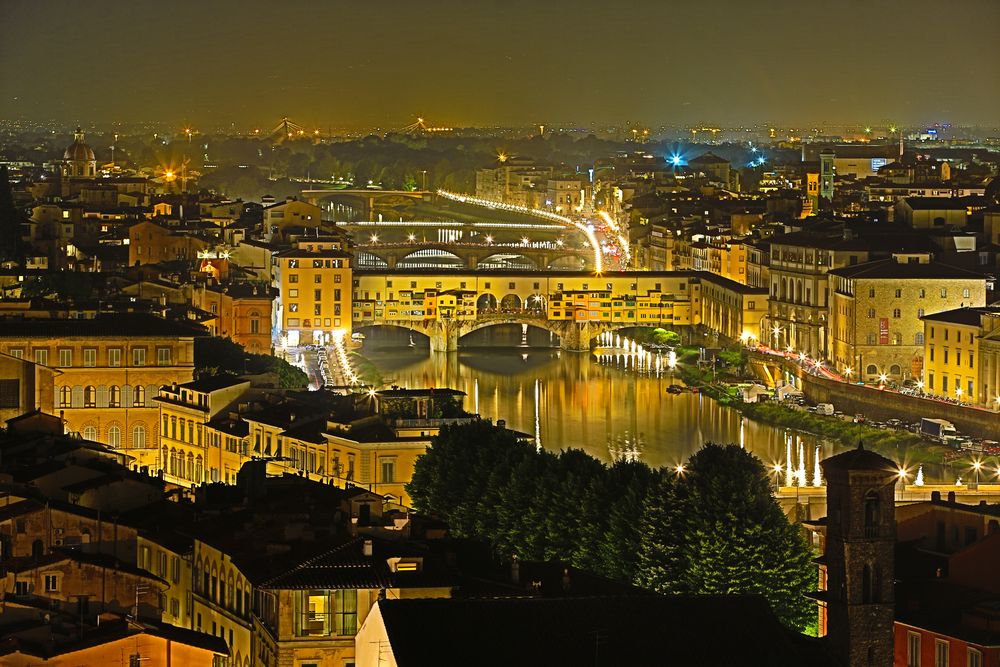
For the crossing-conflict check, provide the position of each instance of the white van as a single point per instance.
(824, 408)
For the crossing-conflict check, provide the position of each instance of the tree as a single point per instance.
(716, 529)
(664, 337)
(215, 356)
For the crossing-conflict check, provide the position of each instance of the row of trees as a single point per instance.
(220, 356)
(714, 528)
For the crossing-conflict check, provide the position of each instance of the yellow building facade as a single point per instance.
(957, 355)
(108, 372)
(313, 304)
(876, 327)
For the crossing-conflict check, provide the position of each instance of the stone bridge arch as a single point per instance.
(495, 260)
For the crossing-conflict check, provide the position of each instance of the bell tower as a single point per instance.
(860, 543)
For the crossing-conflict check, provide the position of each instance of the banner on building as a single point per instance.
(883, 331)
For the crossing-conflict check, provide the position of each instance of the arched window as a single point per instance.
(872, 369)
(871, 514)
(199, 474)
(895, 370)
(165, 460)
(115, 436)
(90, 396)
(139, 436)
(65, 397)
(190, 466)
(76, 399)
(139, 396)
(115, 396)
(89, 432)
(127, 396)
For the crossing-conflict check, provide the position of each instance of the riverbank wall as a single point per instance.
(882, 405)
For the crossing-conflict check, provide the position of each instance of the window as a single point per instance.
(314, 618)
(346, 601)
(871, 509)
(65, 397)
(17, 353)
(114, 357)
(388, 470)
(912, 649)
(51, 583)
(920, 312)
(89, 433)
(966, 293)
(871, 292)
(65, 358)
(115, 396)
(115, 437)
(944, 292)
(163, 356)
(42, 357)
(899, 293)
(139, 436)
(90, 396)
(896, 313)
(293, 278)
(139, 396)
(139, 356)
(918, 339)
(973, 658)
(940, 653)
(90, 357)
(871, 313)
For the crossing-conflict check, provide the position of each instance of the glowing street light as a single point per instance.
(902, 474)
(525, 240)
(411, 237)
(679, 468)
(977, 466)
(776, 468)
(848, 372)
(883, 378)
(374, 238)
(489, 240)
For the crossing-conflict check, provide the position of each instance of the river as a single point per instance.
(571, 400)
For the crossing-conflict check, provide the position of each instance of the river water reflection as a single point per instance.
(566, 400)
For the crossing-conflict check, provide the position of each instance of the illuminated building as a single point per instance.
(108, 370)
(79, 159)
(242, 312)
(960, 355)
(152, 243)
(290, 217)
(876, 310)
(314, 292)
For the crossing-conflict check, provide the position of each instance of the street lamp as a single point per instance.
(374, 238)
(848, 372)
(777, 475)
(679, 468)
(976, 466)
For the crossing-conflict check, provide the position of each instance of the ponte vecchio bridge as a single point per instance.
(576, 306)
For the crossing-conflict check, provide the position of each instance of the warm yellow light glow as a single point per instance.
(374, 238)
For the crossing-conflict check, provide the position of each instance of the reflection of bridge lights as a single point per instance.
(489, 239)
(374, 238)
(411, 237)
(524, 240)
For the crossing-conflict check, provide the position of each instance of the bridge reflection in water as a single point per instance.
(580, 403)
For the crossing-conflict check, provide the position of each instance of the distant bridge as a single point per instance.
(366, 198)
(472, 256)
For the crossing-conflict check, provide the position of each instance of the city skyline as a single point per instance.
(351, 66)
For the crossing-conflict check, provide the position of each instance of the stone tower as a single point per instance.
(860, 540)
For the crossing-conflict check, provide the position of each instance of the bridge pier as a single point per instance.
(576, 336)
(444, 336)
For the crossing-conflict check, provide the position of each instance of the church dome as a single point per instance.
(79, 151)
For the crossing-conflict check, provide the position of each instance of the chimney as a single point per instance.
(366, 548)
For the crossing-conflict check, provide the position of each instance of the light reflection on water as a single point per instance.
(564, 400)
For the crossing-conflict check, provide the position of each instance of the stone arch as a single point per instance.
(413, 259)
(536, 303)
(369, 260)
(871, 369)
(486, 303)
(895, 370)
(511, 303)
(507, 260)
(89, 431)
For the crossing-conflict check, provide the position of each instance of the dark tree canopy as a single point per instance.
(714, 529)
(213, 355)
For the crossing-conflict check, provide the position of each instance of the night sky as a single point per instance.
(501, 62)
